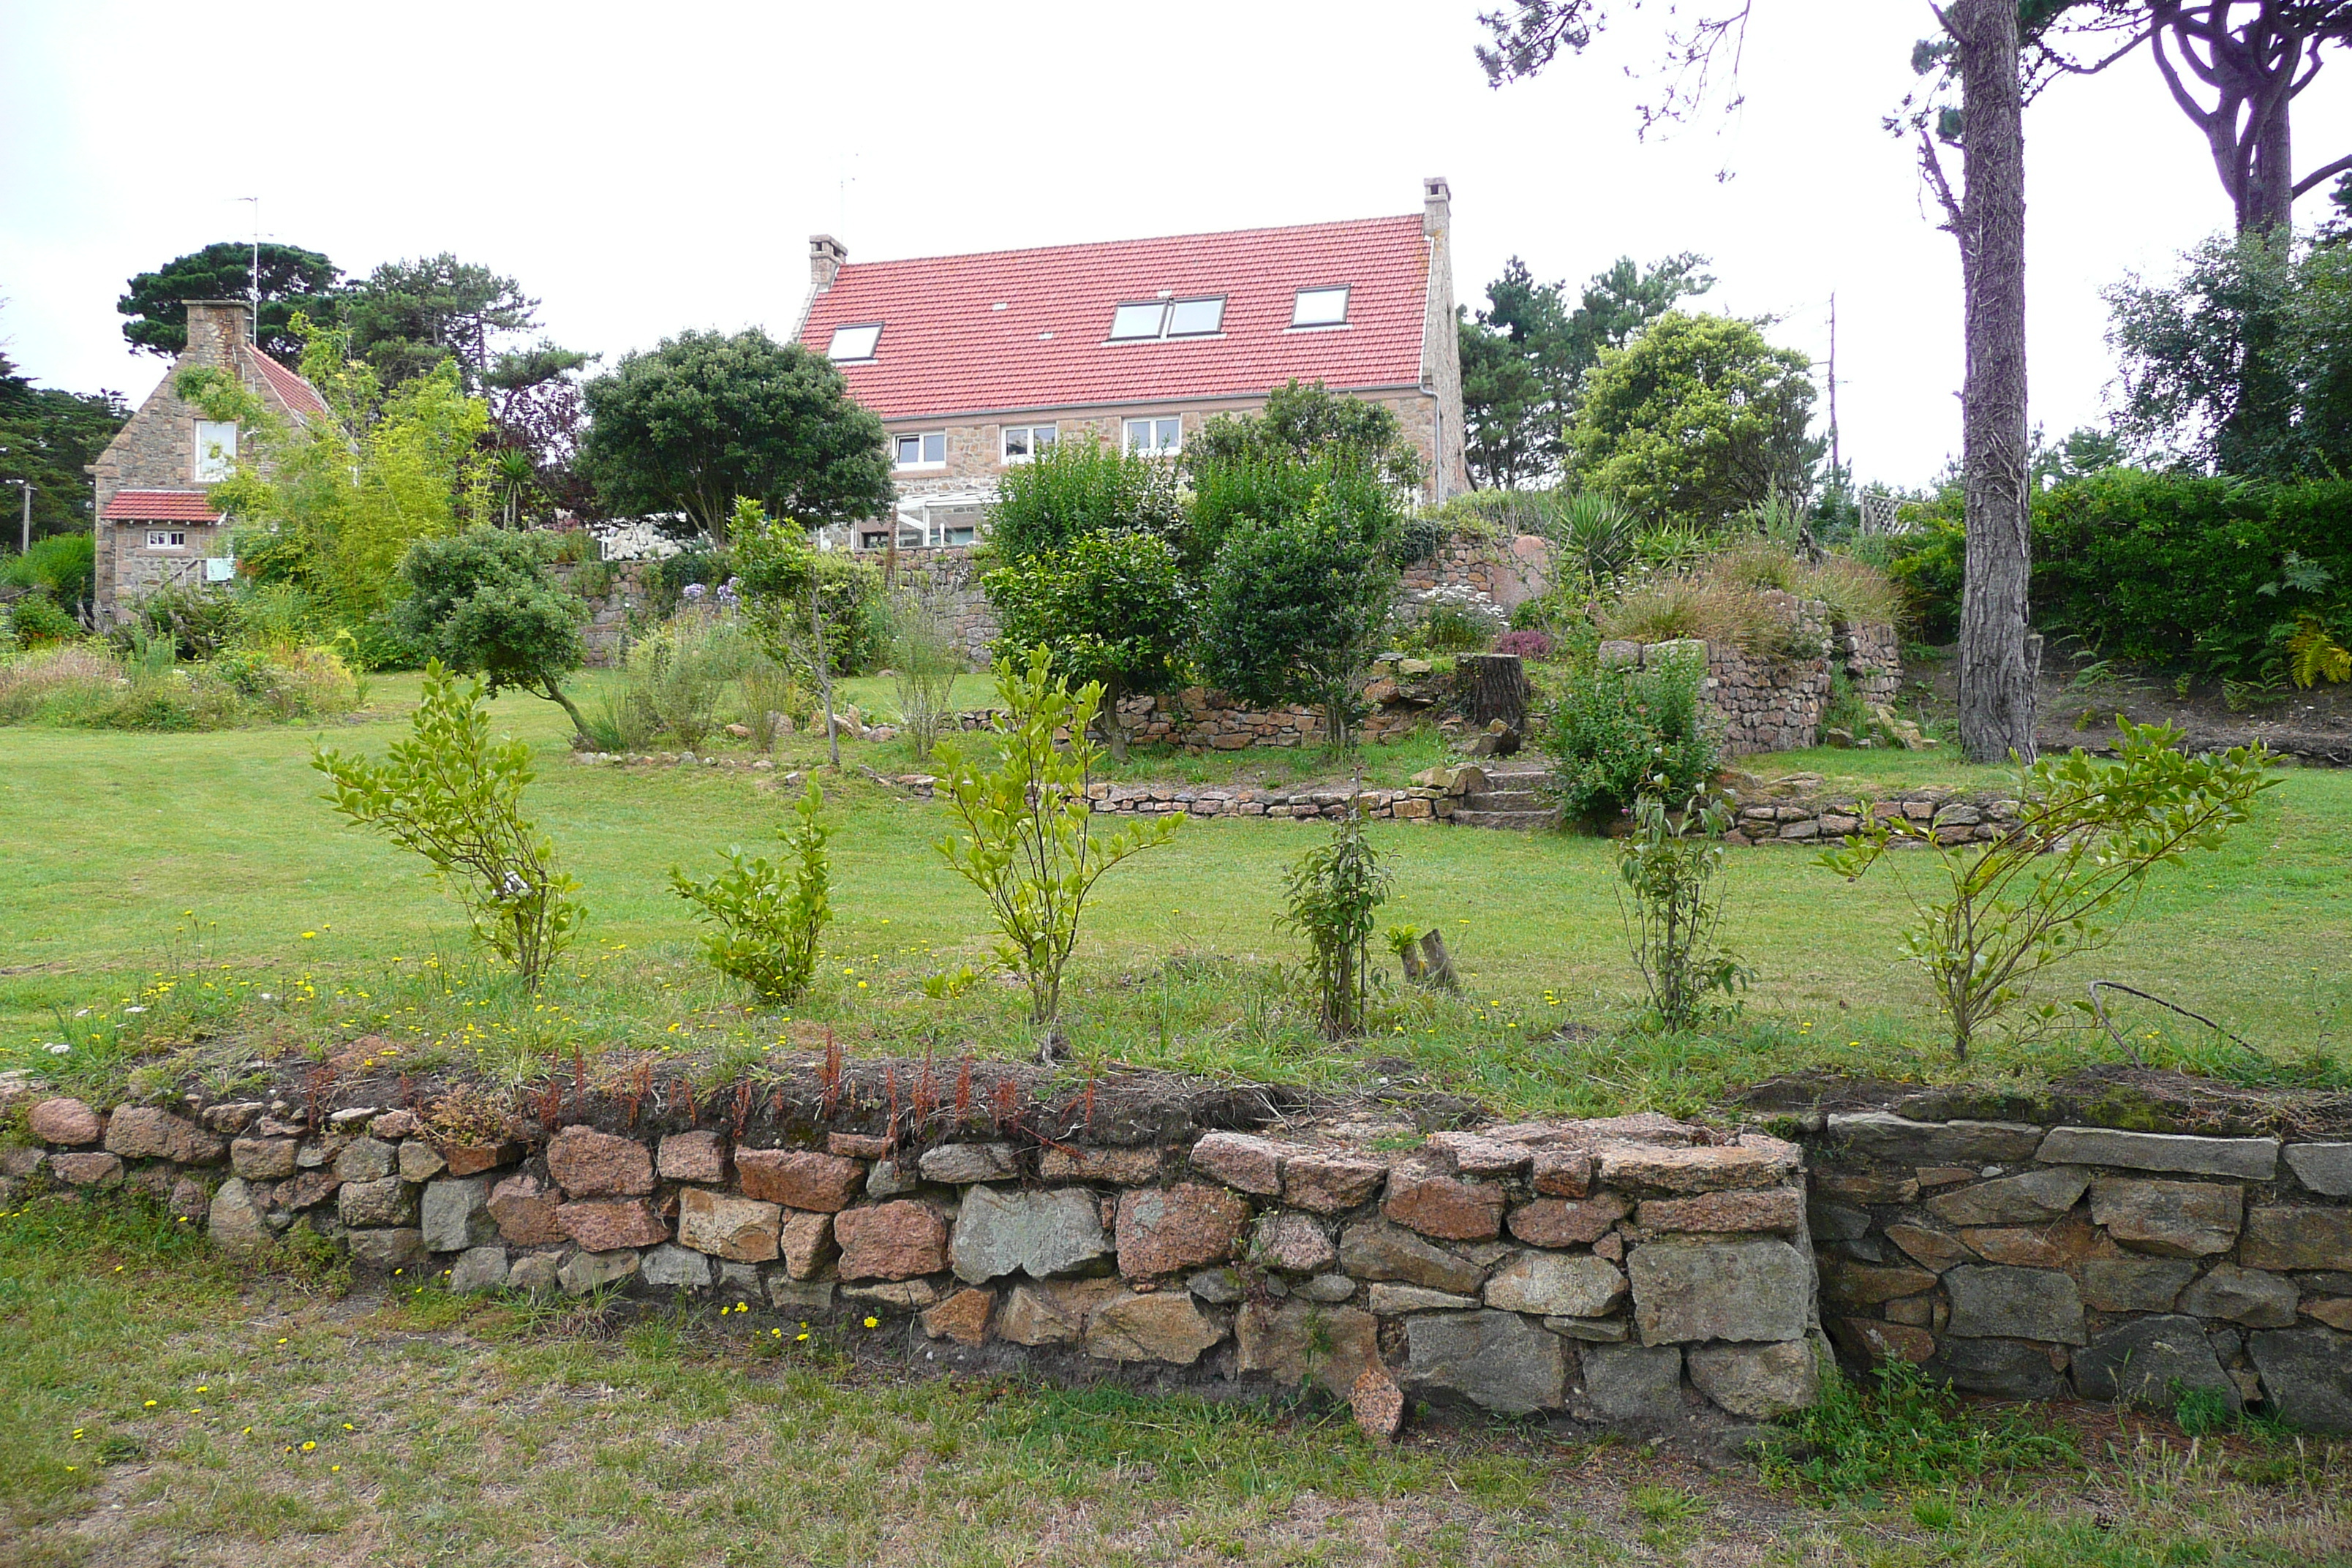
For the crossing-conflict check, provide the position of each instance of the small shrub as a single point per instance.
(1524, 644)
(925, 659)
(1028, 843)
(2064, 878)
(36, 619)
(1671, 897)
(64, 566)
(198, 622)
(771, 917)
(1450, 619)
(1333, 889)
(452, 796)
(1619, 733)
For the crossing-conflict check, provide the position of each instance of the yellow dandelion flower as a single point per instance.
(873, 1322)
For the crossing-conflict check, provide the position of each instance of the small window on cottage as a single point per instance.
(1196, 318)
(1023, 442)
(1155, 436)
(1320, 308)
(216, 449)
(1131, 323)
(924, 449)
(167, 538)
(854, 343)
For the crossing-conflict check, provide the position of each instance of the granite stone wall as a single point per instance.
(1776, 701)
(2040, 1262)
(1632, 1270)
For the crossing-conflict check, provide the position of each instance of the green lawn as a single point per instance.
(133, 856)
(156, 1408)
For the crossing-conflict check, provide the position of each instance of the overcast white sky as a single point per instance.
(647, 168)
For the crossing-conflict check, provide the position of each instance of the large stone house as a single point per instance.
(156, 523)
(978, 362)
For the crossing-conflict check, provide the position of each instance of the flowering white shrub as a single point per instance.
(639, 540)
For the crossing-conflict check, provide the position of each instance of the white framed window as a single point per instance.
(167, 538)
(853, 342)
(923, 449)
(1148, 320)
(216, 449)
(1023, 442)
(1320, 308)
(1156, 436)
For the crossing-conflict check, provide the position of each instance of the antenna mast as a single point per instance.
(1835, 468)
(253, 286)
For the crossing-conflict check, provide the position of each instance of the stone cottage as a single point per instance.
(156, 523)
(978, 362)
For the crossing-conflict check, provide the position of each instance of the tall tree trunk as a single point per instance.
(1997, 670)
(2267, 202)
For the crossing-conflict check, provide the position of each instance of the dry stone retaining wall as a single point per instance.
(1775, 702)
(1632, 1270)
(2033, 1262)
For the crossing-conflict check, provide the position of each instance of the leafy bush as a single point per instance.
(1453, 618)
(64, 566)
(198, 622)
(1332, 891)
(1524, 644)
(1028, 841)
(1296, 606)
(454, 796)
(2063, 879)
(1114, 608)
(2189, 571)
(771, 917)
(36, 619)
(1619, 733)
(1302, 421)
(1670, 868)
(1226, 496)
(482, 602)
(1080, 487)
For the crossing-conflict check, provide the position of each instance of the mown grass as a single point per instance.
(157, 1407)
(200, 878)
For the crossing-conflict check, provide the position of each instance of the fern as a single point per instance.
(2313, 654)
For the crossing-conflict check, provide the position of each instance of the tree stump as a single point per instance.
(1494, 686)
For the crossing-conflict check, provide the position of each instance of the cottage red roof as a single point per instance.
(297, 394)
(161, 506)
(1012, 329)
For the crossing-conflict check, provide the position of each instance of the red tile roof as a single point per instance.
(161, 506)
(947, 348)
(297, 394)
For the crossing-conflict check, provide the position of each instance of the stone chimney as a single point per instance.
(217, 329)
(826, 256)
(1436, 205)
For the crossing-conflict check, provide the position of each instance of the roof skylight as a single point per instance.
(854, 343)
(1320, 308)
(1143, 321)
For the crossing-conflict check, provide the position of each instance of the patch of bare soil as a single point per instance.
(2135, 1098)
(2080, 696)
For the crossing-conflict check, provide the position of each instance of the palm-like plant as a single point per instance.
(1592, 536)
(515, 477)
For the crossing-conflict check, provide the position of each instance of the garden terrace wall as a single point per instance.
(1788, 812)
(1627, 1271)
(1769, 703)
(2034, 1261)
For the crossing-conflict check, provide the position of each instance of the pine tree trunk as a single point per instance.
(1494, 686)
(1997, 673)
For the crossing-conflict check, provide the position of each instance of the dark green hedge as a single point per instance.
(2160, 569)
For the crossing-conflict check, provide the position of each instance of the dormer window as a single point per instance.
(851, 343)
(1320, 308)
(215, 449)
(1152, 319)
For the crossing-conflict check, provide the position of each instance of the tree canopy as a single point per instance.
(292, 280)
(406, 317)
(1698, 420)
(1525, 357)
(481, 602)
(1303, 420)
(707, 417)
(46, 436)
(1111, 607)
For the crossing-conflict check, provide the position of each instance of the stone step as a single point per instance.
(1523, 821)
(1506, 800)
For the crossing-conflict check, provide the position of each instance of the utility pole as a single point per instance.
(25, 527)
(252, 290)
(1834, 467)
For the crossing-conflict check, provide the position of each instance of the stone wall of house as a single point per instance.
(1634, 1270)
(1773, 702)
(2034, 1262)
